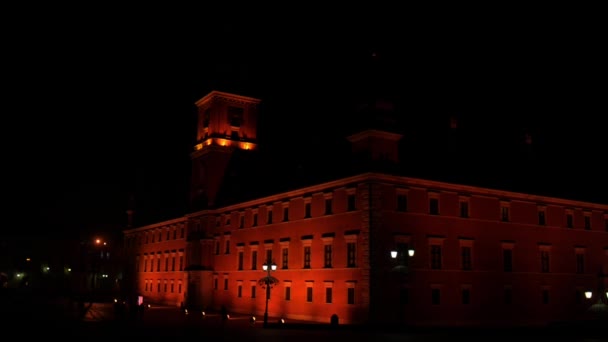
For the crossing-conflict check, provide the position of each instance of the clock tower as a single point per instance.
(226, 123)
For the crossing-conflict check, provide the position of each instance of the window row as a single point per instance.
(163, 262)
(155, 235)
(307, 290)
(505, 212)
(166, 286)
(248, 255)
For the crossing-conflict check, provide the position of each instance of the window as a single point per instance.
(255, 220)
(239, 291)
(269, 216)
(350, 295)
(436, 257)
(307, 257)
(227, 251)
(434, 206)
(465, 254)
(254, 260)
(158, 286)
(307, 210)
(466, 296)
(351, 202)
(288, 293)
(240, 261)
(464, 208)
(158, 262)
(269, 256)
(309, 294)
(241, 221)
(166, 262)
(328, 206)
(179, 287)
(217, 247)
(328, 295)
(580, 262)
(165, 286)
(544, 261)
(505, 214)
(541, 217)
(507, 260)
(172, 262)
(225, 283)
(215, 283)
(252, 291)
(181, 261)
(569, 220)
(235, 116)
(401, 202)
(587, 221)
(351, 251)
(327, 256)
(172, 286)
(285, 214)
(402, 254)
(284, 258)
(435, 296)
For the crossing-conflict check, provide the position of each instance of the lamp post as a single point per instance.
(267, 282)
(601, 306)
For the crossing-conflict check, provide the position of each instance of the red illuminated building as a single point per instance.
(481, 256)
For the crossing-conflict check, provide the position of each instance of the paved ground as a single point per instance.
(102, 322)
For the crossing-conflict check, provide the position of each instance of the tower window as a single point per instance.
(235, 116)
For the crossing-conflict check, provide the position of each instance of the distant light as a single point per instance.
(282, 321)
(410, 252)
(98, 241)
(588, 294)
(115, 300)
(394, 254)
(186, 311)
(105, 243)
(28, 259)
(69, 270)
(19, 275)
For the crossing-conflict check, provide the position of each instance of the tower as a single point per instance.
(226, 123)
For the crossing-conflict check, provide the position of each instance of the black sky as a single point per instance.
(99, 106)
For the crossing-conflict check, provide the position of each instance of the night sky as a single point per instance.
(99, 107)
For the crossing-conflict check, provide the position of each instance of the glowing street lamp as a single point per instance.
(267, 282)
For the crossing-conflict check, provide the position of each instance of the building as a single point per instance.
(481, 256)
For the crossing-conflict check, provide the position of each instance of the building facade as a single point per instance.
(481, 256)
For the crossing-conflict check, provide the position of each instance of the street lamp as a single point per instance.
(601, 307)
(267, 282)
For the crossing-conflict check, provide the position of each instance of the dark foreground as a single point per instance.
(65, 319)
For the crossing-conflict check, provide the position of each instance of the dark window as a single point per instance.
(253, 291)
(352, 203)
(401, 202)
(254, 260)
(285, 258)
(587, 222)
(228, 247)
(235, 116)
(507, 260)
(309, 294)
(435, 296)
(225, 283)
(240, 261)
(285, 214)
(464, 209)
(307, 257)
(239, 291)
(328, 293)
(328, 255)
(255, 220)
(217, 247)
(504, 214)
(541, 218)
(269, 217)
(307, 210)
(465, 252)
(544, 261)
(436, 257)
(434, 206)
(508, 295)
(350, 295)
(215, 284)
(328, 206)
(466, 296)
(351, 250)
(569, 221)
(580, 263)
(269, 256)
(288, 293)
